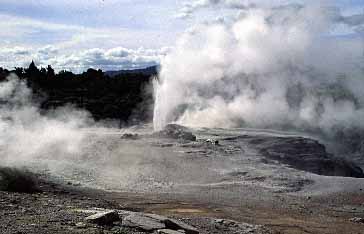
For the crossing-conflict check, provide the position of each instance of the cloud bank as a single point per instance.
(106, 59)
(75, 47)
(191, 7)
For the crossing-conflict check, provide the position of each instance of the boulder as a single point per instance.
(142, 222)
(104, 218)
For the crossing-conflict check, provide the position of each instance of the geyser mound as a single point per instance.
(175, 131)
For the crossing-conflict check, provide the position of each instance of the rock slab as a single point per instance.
(153, 222)
(104, 218)
(142, 222)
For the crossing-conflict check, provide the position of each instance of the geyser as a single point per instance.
(281, 68)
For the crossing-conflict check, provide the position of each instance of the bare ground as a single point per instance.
(56, 210)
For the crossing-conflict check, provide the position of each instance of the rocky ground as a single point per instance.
(67, 209)
(71, 209)
(205, 180)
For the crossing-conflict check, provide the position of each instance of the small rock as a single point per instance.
(104, 218)
(219, 221)
(212, 141)
(169, 231)
(117, 223)
(80, 225)
(116, 230)
(130, 136)
(357, 220)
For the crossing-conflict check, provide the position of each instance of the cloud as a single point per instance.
(110, 59)
(190, 7)
(75, 47)
(353, 20)
(106, 59)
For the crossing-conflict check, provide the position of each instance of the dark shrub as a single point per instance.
(17, 180)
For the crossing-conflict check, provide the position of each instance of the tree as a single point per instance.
(32, 71)
(43, 72)
(50, 72)
(93, 74)
(19, 71)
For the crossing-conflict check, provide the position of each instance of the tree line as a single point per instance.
(126, 97)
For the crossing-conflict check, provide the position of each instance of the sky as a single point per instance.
(119, 34)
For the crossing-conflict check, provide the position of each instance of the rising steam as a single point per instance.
(68, 144)
(26, 135)
(268, 68)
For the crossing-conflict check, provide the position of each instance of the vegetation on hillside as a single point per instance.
(126, 97)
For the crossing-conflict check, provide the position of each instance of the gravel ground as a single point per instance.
(198, 182)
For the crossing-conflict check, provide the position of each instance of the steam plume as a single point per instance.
(268, 68)
(26, 135)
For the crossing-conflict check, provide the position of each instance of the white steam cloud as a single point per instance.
(26, 135)
(68, 144)
(269, 68)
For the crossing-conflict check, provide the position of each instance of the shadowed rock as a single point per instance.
(103, 218)
(304, 154)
